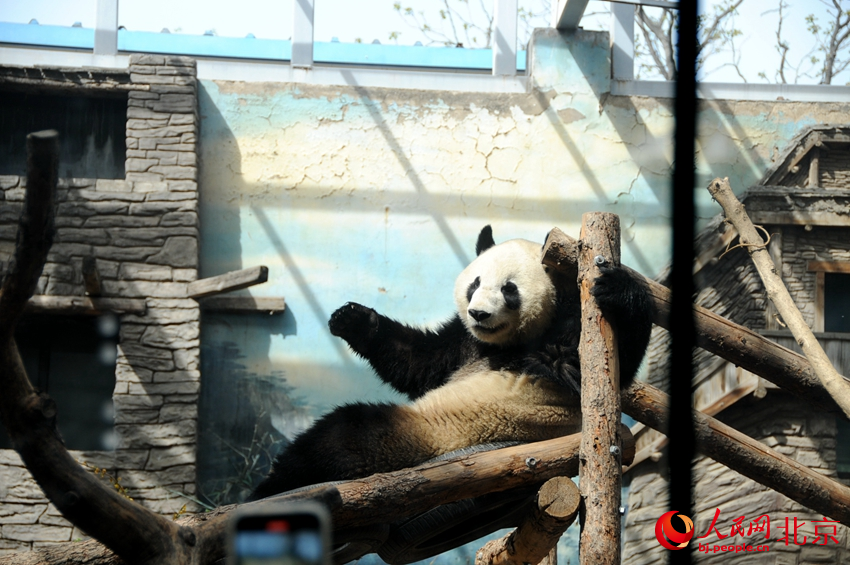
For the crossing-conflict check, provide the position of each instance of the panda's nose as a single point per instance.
(479, 315)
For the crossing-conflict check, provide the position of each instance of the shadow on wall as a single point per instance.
(723, 143)
(246, 409)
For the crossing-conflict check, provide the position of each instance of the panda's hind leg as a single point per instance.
(353, 441)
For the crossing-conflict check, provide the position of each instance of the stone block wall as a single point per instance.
(780, 422)
(143, 233)
(798, 248)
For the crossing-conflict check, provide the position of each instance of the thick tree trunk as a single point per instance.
(600, 472)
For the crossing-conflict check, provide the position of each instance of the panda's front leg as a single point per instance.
(357, 325)
(411, 360)
(626, 302)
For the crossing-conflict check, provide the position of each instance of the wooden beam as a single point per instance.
(600, 472)
(800, 218)
(91, 276)
(712, 409)
(749, 350)
(234, 280)
(829, 266)
(813, 140)
(538, 533)
(814, 169)
(745, 455)
(243, 304)
(742, 346)
(86, 305)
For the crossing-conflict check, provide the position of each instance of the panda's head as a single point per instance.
(505, 296)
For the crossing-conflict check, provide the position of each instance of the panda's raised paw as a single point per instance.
(615, 288)
(354, 323)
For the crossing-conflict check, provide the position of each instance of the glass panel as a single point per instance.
(597, 16)
(257, 18)
(50, 12)
(91, 129)
(73, 360)
(450, 23)
(836, 303)
(344, 35)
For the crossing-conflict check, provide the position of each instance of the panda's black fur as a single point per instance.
(468, 382)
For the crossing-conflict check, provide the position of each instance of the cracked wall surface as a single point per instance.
(377, 195)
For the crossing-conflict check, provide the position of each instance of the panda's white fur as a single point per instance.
(505, 367)
(483, 406)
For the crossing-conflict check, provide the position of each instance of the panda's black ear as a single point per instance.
(485, 240)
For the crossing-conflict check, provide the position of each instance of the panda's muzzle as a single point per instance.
(478, 315)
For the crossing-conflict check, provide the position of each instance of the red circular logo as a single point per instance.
(664, 531)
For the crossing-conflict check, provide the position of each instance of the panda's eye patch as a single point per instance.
(472, 288)
(511, 294)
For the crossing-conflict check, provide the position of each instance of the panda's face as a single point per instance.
(505, 296)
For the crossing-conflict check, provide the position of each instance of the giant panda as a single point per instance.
(505, 367)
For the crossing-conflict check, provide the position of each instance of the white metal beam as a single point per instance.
(106, 28)
(622, 42)
(569, 13)
(504, 38)
(302, 34)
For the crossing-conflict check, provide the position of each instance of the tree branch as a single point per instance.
(134, 533)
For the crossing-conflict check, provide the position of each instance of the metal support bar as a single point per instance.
(568, 14)
(504, 34)
(652, 3)
(622, 42)
(106, 28)
(302, 34)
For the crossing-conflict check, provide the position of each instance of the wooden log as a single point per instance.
(779, 295)
(743, 454)
(561, 252)
(538, 533)
(71, 305)
(375, 499)
(742, 346)
(35, 230)
(600, 473)
(240, 304)
(234, 280)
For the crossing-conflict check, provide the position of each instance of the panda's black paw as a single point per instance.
(616, 290)
(354, 323)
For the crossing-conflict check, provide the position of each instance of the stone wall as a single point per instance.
(800, 246)
(782, 423)
(143, 233)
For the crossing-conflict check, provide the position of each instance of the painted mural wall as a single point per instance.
(377, 196)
